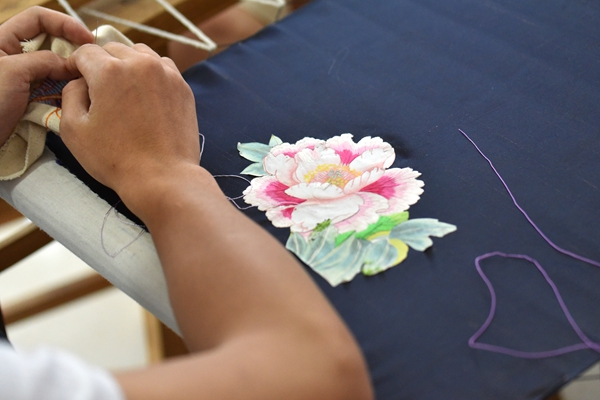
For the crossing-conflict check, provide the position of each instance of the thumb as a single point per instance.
(75, 105)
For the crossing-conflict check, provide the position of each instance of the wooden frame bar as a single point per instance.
(54, 298)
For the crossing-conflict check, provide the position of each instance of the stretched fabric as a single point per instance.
(522, 79)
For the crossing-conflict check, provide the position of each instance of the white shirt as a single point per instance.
(50, 374)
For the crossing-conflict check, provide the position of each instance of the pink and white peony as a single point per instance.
(348, 183)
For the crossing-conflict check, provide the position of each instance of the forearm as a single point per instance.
(267, 331)
(258, 325)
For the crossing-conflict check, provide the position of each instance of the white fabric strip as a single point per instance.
(70, 212)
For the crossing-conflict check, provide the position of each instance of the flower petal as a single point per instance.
(348, 151)
(374, 158)
(308, 215)
(290, 150)
(281, 216)
(399, 186)
(370, 209)
(344, 146)
(315, 191)
(282, 167)
(267, 192)
(363, 180)
(308, 160)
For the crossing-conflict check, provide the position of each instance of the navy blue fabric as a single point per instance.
(522, 78)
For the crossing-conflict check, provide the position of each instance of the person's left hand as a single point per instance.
(18, 70)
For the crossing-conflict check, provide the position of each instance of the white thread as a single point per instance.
(65, 4)
(210, 46)
(188, 24)
(202, 145)
(115, 254)
(123, 220)
(276, 3)
(233, 199)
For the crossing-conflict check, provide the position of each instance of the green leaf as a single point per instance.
(321, 226)
(416, 232)
(274, 141)
(383, 254)
(255, 169)
(341, 263)
(385, 223)
(253, 151)
(335, 264)
(341, 238)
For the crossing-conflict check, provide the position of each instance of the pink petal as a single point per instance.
(348, 151)
(267, 192)
(290, 150)
(399, 186)
(344, 146)
(369, 212)
(282, 167)
(357, 184)
(280, 216)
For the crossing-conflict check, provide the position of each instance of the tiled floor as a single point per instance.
(107, 328)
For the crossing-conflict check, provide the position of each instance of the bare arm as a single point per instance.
(258, 326)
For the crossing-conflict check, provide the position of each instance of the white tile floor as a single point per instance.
(107, 328)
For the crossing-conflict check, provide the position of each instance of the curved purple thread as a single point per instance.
(587, 342)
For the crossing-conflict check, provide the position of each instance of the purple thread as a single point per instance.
(587, 342)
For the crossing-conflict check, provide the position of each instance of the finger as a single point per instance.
(36, 20)
(87, 59)
(167, 62)
(143, 48)
(119, 50)
(75, 104)
(37, 66)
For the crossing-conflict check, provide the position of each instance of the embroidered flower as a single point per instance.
(338, 180)
(345, 207)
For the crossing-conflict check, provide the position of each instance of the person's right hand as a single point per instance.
(130, 118)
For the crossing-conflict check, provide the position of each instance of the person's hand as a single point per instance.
(18, 70)
(130, 118)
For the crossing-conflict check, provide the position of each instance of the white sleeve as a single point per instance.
(48, 374)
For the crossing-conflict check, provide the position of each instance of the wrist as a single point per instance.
(148, 196)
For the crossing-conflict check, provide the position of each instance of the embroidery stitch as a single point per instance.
(48, 92)
(345, 207)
